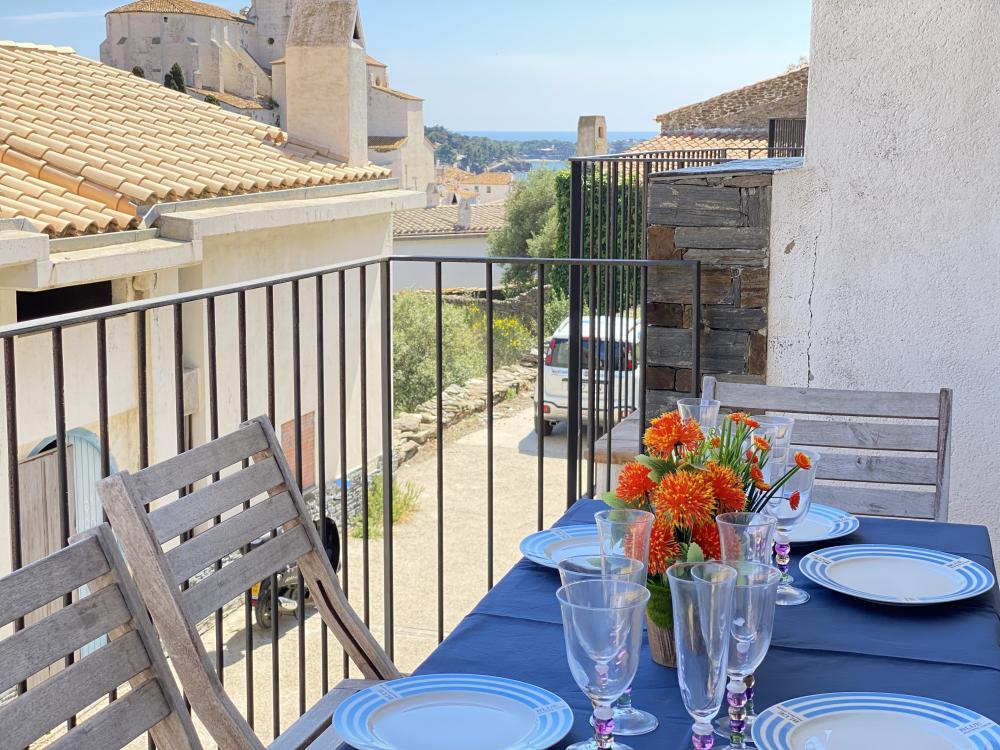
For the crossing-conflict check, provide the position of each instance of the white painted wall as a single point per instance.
(421, 275)
(885, 269)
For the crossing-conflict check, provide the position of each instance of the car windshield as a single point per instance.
(560, 354)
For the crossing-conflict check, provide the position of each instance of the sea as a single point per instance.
(552, 135)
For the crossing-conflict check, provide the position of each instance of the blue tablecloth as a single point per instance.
(832, 643)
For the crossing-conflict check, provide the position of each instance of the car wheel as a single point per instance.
(546, 427)
(262, 608)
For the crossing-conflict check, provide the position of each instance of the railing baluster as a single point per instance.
(241, 342)
(439, 434)
(363, 374)
(489, 426)
(213, 428)
(275, 609)
(59, 392)
(539, 399)
(320, 424)
(300, 604)
(13, 470)
(342, 356)
(575, 306)
(387, 459)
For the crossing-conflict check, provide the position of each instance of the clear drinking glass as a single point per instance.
(602, 624)
(788, 511)
(750, 637)
(777, 431)
(702, 598)
(613, 567)
(625, 532)
(745, 537)
(704, 411)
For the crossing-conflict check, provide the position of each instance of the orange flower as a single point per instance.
(706, 536)
(762, 486)
(663, 548)
(761, 443)
(687, 498)
(716, 441)
(756, 474)
(802, 460)
(669, 431)
(727, 487)
(634, 482)
(737, 416)
(750, 422)
(752, 457)
(793, 500)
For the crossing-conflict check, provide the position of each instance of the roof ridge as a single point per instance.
(11, 44)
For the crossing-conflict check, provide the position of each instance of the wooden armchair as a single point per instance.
(160, 573)
(880, 467)
(131, 655)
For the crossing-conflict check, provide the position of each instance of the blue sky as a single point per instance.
(529, 64)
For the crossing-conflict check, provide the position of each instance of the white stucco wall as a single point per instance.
(421, 275)
(884, 246)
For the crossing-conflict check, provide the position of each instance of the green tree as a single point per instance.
(168, 81)
(138, 71)
(177, 75)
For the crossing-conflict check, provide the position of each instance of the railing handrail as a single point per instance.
(69, 320)
(704, 154)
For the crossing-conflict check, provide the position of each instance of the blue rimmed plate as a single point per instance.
(453, 712)
(821, 523)
(863, 721)
(549, 546)
(896, 575)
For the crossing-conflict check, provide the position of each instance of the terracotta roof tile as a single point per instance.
(82, 143)
(488, 178)
(383, 143)
(444, 220)
(398, 94)
(178, 6)
(703, 140)
(232, 100)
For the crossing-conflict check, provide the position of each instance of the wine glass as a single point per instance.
(789, 506)
(777, 431)
(750, 637)
(626, 532)
(704, 411)
(745, 537)
(702, 598)
(602, 624)
(589, 567)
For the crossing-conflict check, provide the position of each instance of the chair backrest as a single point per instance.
(890, 451)
(252, 501)
(112, 609)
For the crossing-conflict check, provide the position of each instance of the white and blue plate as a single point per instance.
(893, 574)
(872, 721)
(549, 546)
(453, 712)
(821, 523)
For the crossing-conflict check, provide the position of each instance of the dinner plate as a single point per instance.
(872, 721)
(549, 546)
(896, 575)
(453, 712)
(821, 523)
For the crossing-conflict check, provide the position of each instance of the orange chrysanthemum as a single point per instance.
(716, 441)
(737, 416)
(762, 486)
(752, 457)
(707, 537)
(750, 422)
(756, 474)
(687, 498)
(634, 482)
(663, 548)
(669, 431)
(727, 487)
(802, 460)
(793, 500)
(761, 443)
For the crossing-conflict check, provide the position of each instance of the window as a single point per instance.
(123, 40)
(33, 305)
(270, 40)
(156, 40)
(489, 189)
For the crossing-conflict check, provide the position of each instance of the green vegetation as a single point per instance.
(209, 99)
(478, 154)
(174, 79)
(138, 71)
(405, 502)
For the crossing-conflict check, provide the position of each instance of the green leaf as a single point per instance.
(612, 499)
(694, 553)
(658, 467)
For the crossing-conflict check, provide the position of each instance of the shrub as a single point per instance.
(414, 346)
(177, 76)
(511, 338)
(556, 311)
(209, 99)
(138, 71)
(405, 502)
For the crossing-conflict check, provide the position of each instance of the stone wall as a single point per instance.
(720, 216)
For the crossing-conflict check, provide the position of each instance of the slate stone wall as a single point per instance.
(721, 218)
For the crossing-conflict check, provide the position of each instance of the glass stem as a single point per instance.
(749, 681)
(781, 556)
(701, 736)
(604, 725)
(625, 701)
(737, 699)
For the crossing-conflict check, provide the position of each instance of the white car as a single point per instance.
(555, 388)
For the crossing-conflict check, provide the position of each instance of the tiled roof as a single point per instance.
(396, 93)
(376, 63)
(444, 220)
(747, 107)
(96, 141)
(451, 174)
(241, 102)
(704, 139)
(179, 6)
(488, 178)
(383, 143)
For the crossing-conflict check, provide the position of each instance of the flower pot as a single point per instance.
(661, 643)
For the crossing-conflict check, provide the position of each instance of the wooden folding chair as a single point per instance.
(876, 466)
(132, 654)
(160, 573)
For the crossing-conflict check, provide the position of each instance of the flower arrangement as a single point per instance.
(686, 479)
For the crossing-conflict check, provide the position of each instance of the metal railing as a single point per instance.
(279, 345)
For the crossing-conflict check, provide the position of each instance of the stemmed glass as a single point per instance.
(750, 637)
(789, 506)
(626, 532)
(702, 597)
(704, 411)
(602, 624)
(744, 537)
(777, 431)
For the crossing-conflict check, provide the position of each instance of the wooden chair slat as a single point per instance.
(316, 721)
(180, 471)
(866, 435)
(749, 396)
(205, 503)
(211, 593)
(73, 689)
(70, 628)
(868, 468)
(877, 501)
(50, 578)
(120, 723)
(215, 543)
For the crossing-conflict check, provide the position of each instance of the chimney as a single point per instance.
(591, 136)
(326, 91)
(464, 215)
